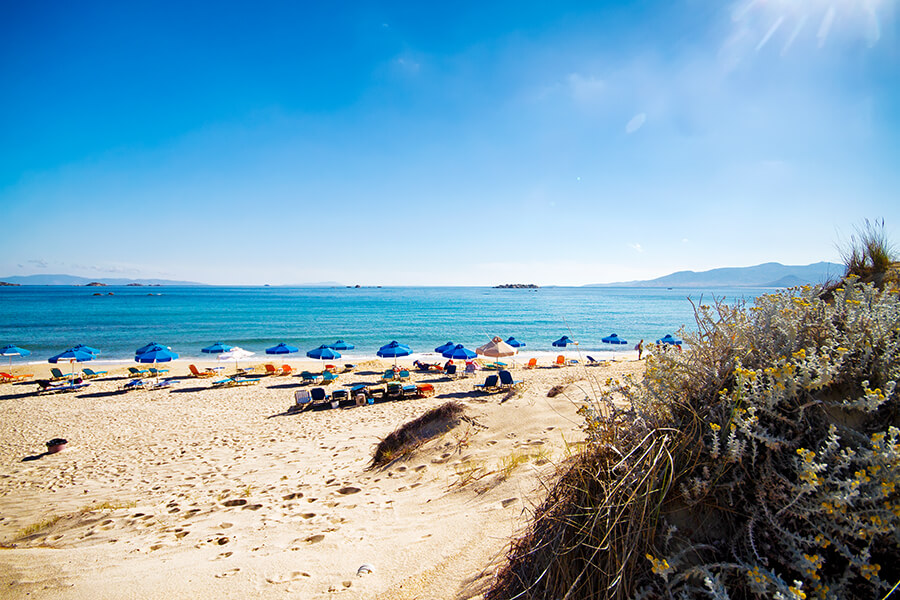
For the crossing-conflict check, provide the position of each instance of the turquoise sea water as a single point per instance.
(49, 319)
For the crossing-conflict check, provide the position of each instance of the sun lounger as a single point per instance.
(328, 377)
(507, 381)
(8, 377)
(491, 384)
(134, 384)
(302, 398)
(470, 370)
(389, 375)
(135, 372)
(234, 381)
(157, 372)
(49, 387)
(424, 390)
(310, 377)
(532, 364)
(340, 396)
(272, 370)
(57, 374)
(450, 371)
(403, 375)
(349, 367)
(91, 374)
(319, 395)
(198, 373)
(287, 370)
(560, 361)
(593, 362)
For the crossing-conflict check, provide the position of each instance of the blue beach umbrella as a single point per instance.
(394, 350)
(72, 355)
(563, 342)
(282, 348)
(514, 342)
(341, 345)
(613, 339)
(155, 354)
(84, 348)
(217, 348)
(459, 352)
(444, 347)
(323, 353)
(146, 348)
(668, 339)
(10, 351)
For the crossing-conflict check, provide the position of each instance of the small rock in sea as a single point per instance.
(364, 570)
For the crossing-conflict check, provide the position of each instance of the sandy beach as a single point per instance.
(199, 492)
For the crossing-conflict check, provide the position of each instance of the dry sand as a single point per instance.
(200, 492)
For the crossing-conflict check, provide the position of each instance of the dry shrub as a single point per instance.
(555, 391)
(413, 434)
(761, 462)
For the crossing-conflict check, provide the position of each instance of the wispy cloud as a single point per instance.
(636, 247)
(38, 262)
(636, 122)
(585, 89)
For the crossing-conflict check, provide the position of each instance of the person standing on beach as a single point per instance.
(640, 348)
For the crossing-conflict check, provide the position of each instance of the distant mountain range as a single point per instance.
(764, 275)
(75, 280)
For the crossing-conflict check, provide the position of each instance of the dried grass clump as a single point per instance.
(762, 462)
(869, 251)
(413, 434)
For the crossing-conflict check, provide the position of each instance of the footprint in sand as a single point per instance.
(253, 507)
(348, 490)
(420, 468)
(235, 502)
(294, 576)
(293, 496)
(313, 539)
(508, 502)
(228, 573)
(308, 515)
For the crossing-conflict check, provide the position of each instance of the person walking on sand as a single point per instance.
(640, 348)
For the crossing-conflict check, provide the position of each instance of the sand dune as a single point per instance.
(196, 491)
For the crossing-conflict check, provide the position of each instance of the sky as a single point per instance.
(459, 143)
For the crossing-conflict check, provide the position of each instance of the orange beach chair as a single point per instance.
(531, 364)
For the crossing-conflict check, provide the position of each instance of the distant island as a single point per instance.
(775, 275)
(59, 279)
(8, 284)
(516, 286)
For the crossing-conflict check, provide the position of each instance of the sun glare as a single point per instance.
(789, 23)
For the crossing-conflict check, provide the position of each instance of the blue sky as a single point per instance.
(449, 144)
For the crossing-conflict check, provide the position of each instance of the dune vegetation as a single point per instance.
(761, 462)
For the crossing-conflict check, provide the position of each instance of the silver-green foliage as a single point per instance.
(789, 487)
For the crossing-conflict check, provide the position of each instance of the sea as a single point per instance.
(118, 319)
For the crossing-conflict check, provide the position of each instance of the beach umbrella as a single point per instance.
(323, 352)
(147, 348)
(496, 348)
(668, 339)
(10, 351)
(444, 347)
(155, 354)
(613, 339)
(514, 342)
(217, 348)
(282, 348)
(236, 353)
(459, 352)
(72, 355)
(84, 348)
(341, 345)
(393, 350)
(563, 342)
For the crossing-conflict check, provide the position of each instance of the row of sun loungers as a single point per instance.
(52, 387)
